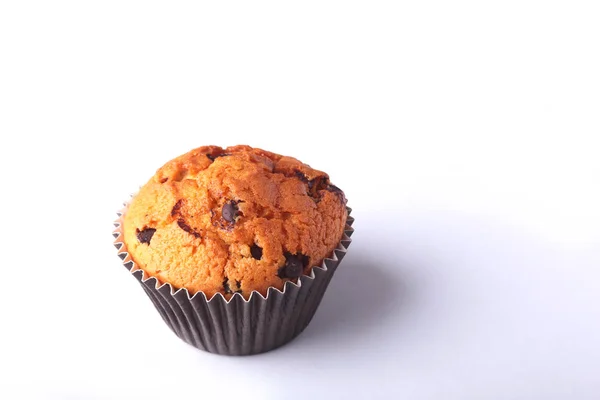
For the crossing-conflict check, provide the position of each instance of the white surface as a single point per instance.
(463, 134)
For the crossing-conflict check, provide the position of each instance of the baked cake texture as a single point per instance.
(238, 219)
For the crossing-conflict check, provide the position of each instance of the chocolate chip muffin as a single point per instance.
(233, 220)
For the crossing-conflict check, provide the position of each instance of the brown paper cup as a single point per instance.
(238, 326)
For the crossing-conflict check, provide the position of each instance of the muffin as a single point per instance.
(238, 230)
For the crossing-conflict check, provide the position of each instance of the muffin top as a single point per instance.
(233, 220)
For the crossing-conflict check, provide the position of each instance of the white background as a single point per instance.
(464, 134)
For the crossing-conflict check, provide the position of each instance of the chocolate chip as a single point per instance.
(163, 180)
(294, 265)
(300, 175)
(182, 224)
(256, 251)
(212, 157)
(230, 211)
(313, 185)
(176, 207)
(145, 235)
(228, 289)
(226, 286)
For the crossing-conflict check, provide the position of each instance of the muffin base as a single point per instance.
(238, 326)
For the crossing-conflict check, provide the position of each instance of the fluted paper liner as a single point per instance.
(238, 326)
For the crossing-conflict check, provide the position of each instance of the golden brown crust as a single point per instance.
(233, 220)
